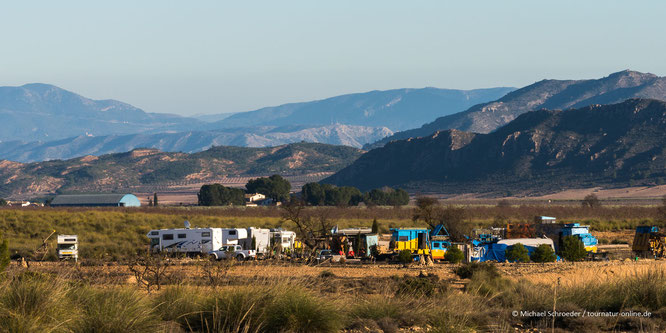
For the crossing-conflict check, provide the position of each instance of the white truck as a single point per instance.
(68, 247)
(193, 241)
(232, 251)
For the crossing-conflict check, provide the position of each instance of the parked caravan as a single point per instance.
(283, 239)
(233, 236)
(184, 240)
(262, 241)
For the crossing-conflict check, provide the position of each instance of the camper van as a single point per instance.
(68, 247)
(185, 240)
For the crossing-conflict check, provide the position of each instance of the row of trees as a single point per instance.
(274, 187)
(315, 194)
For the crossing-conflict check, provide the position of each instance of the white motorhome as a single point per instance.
(185, 240)
(283, 238)
(68, 247)
(262, 239)
(233, 236)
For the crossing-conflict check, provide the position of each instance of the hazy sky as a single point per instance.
(192, 57)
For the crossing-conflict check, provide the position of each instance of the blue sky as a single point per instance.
(214, 56)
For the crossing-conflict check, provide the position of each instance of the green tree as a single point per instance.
(573, 249)
(3, 202)
(218, 195)
(274, 187)
(398, 197)
(155, 199)
(375, 226)
(454, 255)
(313, 194)
(543, 253)
(517, 253)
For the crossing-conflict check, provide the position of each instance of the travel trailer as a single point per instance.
(185, 240)
(68, 247)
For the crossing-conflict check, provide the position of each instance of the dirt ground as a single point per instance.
(549, 273)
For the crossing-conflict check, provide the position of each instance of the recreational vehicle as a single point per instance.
(185, 240)
(68, 247)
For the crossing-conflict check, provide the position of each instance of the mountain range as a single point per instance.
(189, 142)
(115, 172)
(543, 151)
(44, 122)
(397, 109)
(546, 94)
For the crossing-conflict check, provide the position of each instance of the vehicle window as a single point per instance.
(167, 236)
(66, 246)
(182, 236)
(154, 233)
(232, 232)
(205, 234)
(285, 240)
(403, 238)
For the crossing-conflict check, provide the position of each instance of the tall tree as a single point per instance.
(274, 187)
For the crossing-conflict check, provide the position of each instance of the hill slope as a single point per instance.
(539, 152)
(397, 109)
(150, 166)
(546, 94)
(44, 112)
(189, 142)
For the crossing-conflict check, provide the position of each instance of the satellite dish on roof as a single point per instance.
(187, 224)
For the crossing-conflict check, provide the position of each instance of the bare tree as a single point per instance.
(427, 210)
(310, 224)
(591, 200)
(216, 271)
(149, 270)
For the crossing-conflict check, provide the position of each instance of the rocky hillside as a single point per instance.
(189, 142)
(397, 109)
(150, 166)
(543, 151)
(546, 94)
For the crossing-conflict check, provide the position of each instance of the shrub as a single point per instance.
(115, 310)
(178, 304)
(517, 253)
(405, 256)
(35, 303)
(4, 255)
(573, 249)
(468, 270)
(420, 286)
(454, 255)
(543, 253)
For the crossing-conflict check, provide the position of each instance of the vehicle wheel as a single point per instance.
(239, 257)
(213, 257)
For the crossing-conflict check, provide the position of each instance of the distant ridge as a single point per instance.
(546, 94)
(396, 109)
(111, 172)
